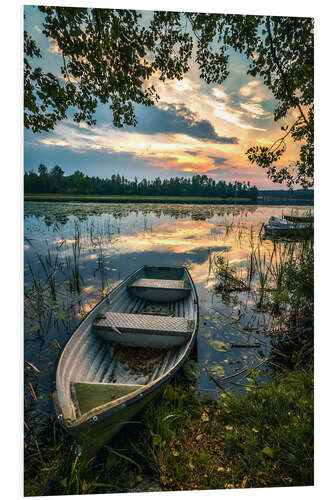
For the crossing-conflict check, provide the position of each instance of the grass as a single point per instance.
(129, 198)
(263, 439)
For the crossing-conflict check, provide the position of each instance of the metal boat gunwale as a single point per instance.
(108, 409)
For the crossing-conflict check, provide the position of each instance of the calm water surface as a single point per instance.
(77, 252)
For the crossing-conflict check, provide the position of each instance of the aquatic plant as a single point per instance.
(228, 281)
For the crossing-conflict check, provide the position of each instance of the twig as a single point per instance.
(240, 385)
(255, 367)
(246, 345)
(219, 385)
(234, 374)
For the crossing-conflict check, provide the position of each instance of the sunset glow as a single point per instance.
(193, 128)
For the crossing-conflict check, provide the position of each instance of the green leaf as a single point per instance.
(268, 451)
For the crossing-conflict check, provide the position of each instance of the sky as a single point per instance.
(194, 128)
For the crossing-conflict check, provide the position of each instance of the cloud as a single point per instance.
(218, 160)
(248, 89)
(244, 105)
(178, 119)
(54, 47)
(219, 93)
(216, 171)
(255, 110)
(193, 153)
(183, 85)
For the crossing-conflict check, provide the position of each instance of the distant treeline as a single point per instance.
(298, 194)
(54, 181)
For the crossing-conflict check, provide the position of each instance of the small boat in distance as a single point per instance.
(296, 218)
(282, 227)
(124, 352)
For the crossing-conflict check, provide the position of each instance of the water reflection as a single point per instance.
(76, 252)
(51, 213)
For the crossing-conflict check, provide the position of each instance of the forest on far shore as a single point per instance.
(54, 181)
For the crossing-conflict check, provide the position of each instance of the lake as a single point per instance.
(75, 253)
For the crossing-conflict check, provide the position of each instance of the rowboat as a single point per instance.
(296, 218)
(124, 351)
(277, 221)
(282, 227)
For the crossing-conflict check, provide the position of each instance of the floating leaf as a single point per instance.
(218, 345)
(217, 370)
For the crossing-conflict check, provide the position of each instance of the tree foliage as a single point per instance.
(109, 57)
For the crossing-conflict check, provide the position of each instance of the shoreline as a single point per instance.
(200, 200)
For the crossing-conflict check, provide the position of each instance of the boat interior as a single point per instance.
(134, 337)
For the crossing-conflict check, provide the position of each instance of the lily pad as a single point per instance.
(218, 345)
(217, 370)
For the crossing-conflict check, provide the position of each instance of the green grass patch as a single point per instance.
(260, 440)
(263, 439)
